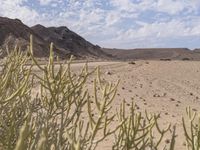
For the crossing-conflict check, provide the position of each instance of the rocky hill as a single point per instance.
(14, 32)
(66, 42)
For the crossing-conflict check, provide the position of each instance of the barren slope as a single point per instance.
(14, 32)
(67, 40)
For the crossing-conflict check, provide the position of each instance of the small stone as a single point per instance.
(108, 73)
(156, 95)
(167, 141)
(172, 99)
(132, 63)
(194, 109)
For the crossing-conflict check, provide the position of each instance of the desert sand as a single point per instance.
(165, 87)
(159, 87)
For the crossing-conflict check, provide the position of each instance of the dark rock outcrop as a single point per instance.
(14, 32)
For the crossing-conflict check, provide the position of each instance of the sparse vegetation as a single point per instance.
(165, 59)
(64, 115)
(132, 63)
(192, 134)
(185, 59)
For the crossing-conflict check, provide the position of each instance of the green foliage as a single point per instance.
(64, 115)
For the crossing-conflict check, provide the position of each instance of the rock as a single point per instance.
(132, 63)
(172, 99)
(194, 109)
(108, 73)
(156, 95)
(167, 141)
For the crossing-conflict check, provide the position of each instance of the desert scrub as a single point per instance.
(52, 119)
(140, 132)
(192, 130)
(55, 117)
(65, 115)
(15, 81)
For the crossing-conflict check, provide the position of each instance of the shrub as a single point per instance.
(165, 59)
(193, 134)
(185, 59)
(132, 63)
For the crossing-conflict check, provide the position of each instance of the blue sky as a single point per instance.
(116, 23)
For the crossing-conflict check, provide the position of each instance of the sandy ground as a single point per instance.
(165, 87)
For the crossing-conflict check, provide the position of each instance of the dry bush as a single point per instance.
(192, 130)
(185, 59)
(132, 63)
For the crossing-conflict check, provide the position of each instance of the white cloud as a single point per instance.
(123, 23)
(171, 6)
(15, 9)
(126, 5)
(112, 18)
(47, 2)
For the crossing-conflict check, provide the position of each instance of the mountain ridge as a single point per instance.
(66, 43)
(14, 32)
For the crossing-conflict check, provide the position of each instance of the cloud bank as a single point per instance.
(116, 23)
